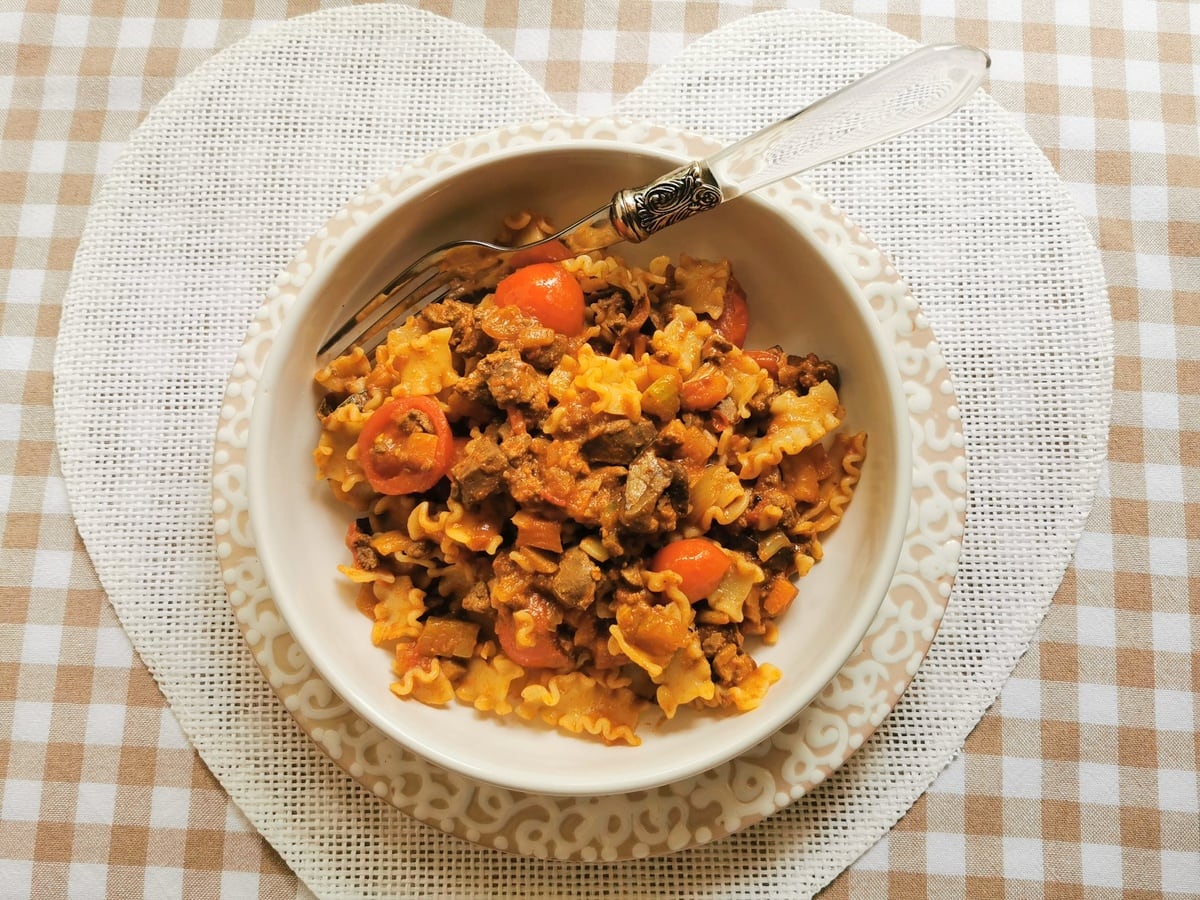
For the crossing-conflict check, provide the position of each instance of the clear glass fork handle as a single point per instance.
(915, 90)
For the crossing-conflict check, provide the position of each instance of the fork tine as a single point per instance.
(405, 294)
(376, 336)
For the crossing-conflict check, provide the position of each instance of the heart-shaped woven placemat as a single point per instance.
(257, 148)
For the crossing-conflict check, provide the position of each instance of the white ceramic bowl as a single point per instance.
(800, 297)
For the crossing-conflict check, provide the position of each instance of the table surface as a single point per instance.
(1080, 781)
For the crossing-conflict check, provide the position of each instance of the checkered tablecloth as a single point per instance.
(1081, 781)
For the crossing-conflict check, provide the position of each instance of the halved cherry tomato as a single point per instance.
(544, 652)
(734, 321)
(547, 292)
(701, 564)
(766, 359)
(406, 446)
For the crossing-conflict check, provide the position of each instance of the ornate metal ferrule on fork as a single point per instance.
(638, 213)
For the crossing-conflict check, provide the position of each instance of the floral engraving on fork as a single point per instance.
(678, 195)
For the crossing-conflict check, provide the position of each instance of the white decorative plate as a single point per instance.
(730, 796)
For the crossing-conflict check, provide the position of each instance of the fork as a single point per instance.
(916, 89)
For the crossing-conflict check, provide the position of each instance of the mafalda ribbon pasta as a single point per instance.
(578, 497)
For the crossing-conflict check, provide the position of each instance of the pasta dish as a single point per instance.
(578, 498)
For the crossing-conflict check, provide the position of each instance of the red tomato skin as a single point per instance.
(545, 652)
(701, 564)
(734, 321)
(766, 360)
(406, 482)
(554, 251)
(547, 292)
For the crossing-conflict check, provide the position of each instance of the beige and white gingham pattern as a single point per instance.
(1082, 781)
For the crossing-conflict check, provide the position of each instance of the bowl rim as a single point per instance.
(766, 722)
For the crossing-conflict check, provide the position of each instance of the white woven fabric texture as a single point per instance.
(255, 149)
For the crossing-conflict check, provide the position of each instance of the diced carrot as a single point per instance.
(779, 597)
(704, 391)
